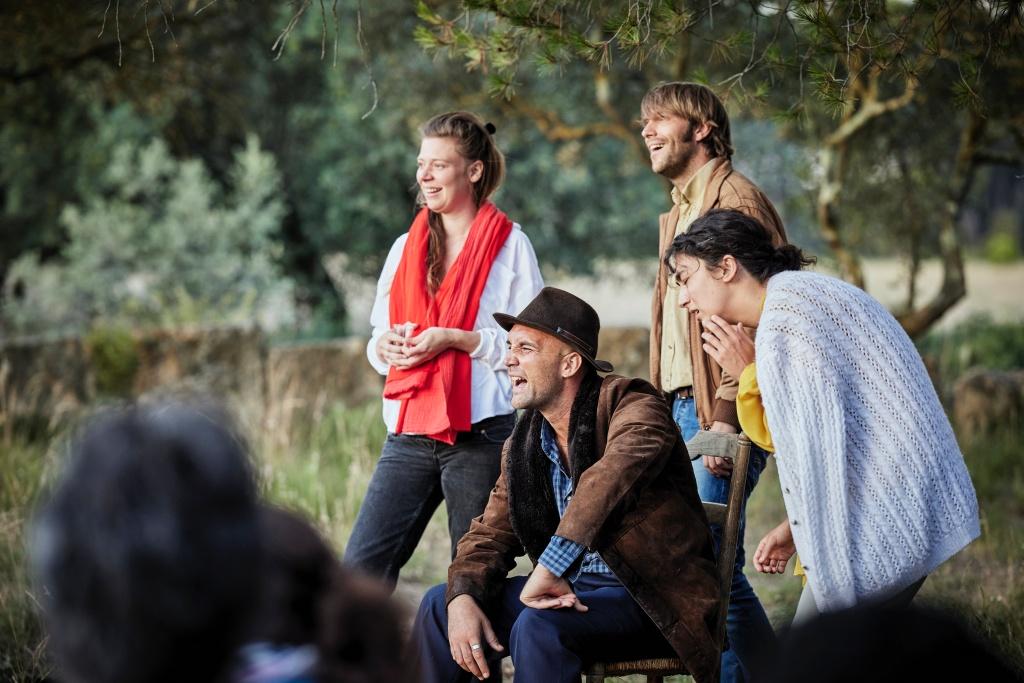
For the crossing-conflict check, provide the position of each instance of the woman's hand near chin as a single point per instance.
(730, 345)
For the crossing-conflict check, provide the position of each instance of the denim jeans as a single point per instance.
(546, 645)
(414, 474)
(747, 625)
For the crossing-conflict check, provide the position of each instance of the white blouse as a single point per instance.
(513, 282)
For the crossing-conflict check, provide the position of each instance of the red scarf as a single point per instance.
(435, 395)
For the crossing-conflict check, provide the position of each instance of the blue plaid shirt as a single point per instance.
(562, 557)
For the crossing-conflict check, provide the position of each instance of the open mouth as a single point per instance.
(657, 147)
(431, 191)
(518, 382)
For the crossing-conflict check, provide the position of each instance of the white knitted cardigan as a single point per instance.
(875, 487)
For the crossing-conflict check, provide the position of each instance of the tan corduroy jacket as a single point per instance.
(714, 391)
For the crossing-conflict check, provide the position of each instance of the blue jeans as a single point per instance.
(414, 474)
(546, 645)
(747, 625)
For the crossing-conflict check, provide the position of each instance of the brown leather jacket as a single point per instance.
(636, 505)
(714, 391)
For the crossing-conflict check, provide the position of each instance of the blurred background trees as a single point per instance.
(175, 163)
(897, 105)
(289, 129)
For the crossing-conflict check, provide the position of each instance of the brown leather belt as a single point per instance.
(685, 392)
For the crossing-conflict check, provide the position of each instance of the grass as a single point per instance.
(325, 470)
(24, 467)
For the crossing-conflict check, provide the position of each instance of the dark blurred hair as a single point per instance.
(722, 232)
(147, 554)
(886, 645)
(309, 598)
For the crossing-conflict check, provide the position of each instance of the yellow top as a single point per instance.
(750, 410)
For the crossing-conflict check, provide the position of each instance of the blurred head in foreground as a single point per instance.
(886, 645)
(316, 620)
(148, 553)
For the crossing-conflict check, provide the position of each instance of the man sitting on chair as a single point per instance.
(596, 488)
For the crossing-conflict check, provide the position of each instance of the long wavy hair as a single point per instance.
(475, 142)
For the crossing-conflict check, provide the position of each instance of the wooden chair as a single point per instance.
(736, 447)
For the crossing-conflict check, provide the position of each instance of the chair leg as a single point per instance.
(595, 678)
(654, 678)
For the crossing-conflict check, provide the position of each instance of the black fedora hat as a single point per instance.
(565, 316)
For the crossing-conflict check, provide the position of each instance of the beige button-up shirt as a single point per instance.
(676, 370)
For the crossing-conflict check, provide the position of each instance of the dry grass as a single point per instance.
(326, 475)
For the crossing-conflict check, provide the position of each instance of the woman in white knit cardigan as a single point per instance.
(875, 487)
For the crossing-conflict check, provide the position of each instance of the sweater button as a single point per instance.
(786, 490)
(794, 522)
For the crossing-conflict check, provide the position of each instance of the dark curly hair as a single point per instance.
(147, 554)
(722, 232)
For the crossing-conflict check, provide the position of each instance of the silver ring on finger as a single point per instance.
(474, 646)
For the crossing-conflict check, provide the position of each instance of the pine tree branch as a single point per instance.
(871, 108)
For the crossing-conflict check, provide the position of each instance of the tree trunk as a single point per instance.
(954, 285)
(833, 162)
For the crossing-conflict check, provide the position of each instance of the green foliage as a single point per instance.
(341, 124)
(114, 359)
(976, 342)
(160, 243)
(998, 477)
(1001, 247)
(1003, 244)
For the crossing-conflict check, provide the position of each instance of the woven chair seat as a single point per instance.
(662, 666)
(735, 447)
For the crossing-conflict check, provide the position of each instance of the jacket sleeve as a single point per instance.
(488, 551)
(724, 409)
(640, 440)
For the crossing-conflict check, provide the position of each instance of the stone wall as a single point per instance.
(228, 364)
(273, 390)
(43, 381)
(986, 401)
(305, 380)
(52, 380)
(628, 349)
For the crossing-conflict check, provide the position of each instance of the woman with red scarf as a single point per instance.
(447, 395)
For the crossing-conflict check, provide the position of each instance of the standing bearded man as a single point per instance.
(595, 487)
(686, 130)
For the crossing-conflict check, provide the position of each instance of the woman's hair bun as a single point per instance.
(489, 127)
(791, 257)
